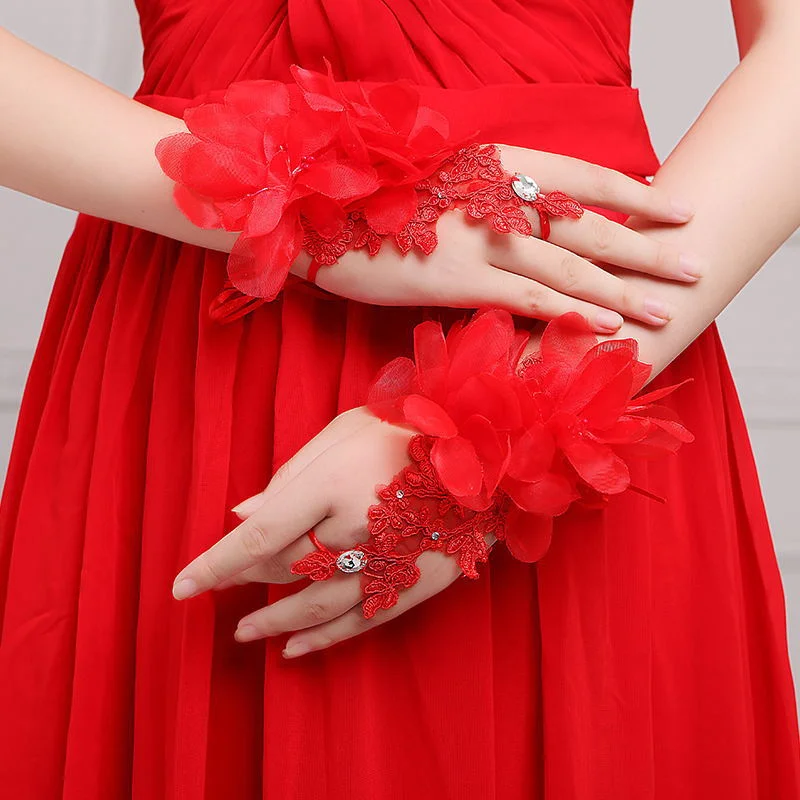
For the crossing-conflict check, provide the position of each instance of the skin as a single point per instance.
(751, 123)
(747, 136)
(48, 151)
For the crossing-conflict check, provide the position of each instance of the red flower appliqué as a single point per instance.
(274, 159)
(553, 431)
(504, 447)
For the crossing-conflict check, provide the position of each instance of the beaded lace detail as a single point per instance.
(415, 514)
(472, 180)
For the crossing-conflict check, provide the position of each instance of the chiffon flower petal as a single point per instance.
(428, 417)
(198, 210)
(597, 464)
(208, 168)
(481, 346)
(388, 210)
(223, 124)
(340, 180)
(432, 360)
(278, 251)
(493, 450)
(269, 207)
(527, 536)
(259, 100)
(492, 396)
(551, 494)
(457, 466)
(532, 454)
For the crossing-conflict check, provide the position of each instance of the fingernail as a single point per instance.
(658, 311)
(691, 266)
(249, 505)
(682, 210)
(295, 649)
(184, 588)
(608, 320)
(246, 633)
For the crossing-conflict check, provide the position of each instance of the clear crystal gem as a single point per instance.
(435, 535)
(399, 494)
(525, 187)
(351, 561)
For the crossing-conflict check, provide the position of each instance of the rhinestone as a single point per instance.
(525, 187)
(351, 561)
(435, 535)
(399, 494)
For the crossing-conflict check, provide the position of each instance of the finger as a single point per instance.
(438, 572)
(339, 428)
(344, 528)
(572, 278)
(290, 512)
(595, 185)
(597, 237)
(317, 603)
(530, 298)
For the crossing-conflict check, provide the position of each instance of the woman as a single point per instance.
(643, 656)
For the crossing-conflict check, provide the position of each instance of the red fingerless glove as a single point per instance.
(502, 448)
(310, 166)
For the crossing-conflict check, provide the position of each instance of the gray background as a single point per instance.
(681, 51)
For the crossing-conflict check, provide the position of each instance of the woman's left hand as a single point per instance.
(328, 487)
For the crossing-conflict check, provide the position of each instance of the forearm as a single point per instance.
(738, 165)
(70, 140)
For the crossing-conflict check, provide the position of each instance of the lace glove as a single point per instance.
(503, 447)
(307, 166)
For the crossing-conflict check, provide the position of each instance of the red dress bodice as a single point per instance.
(197, 45)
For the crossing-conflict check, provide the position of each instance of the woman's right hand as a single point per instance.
(473, 266)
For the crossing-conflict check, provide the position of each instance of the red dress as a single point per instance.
(644, 657)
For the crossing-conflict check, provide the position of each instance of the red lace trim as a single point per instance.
(472, 180)
(415, 514)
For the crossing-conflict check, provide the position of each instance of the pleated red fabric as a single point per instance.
(643, 658)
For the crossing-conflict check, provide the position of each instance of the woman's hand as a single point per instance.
(328, 487)
(49, 151)
(472, 266)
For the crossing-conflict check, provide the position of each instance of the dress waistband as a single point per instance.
(601, 124)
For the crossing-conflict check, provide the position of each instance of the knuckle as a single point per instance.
(212, 573)
(665, 259)
(275, 571)
(255, 540)
(316, 611)
(570, 272)
(535, 299)
(629, 297)
(603, 182)
(604, 234)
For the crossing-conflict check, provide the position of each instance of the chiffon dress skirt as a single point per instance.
(643, 658)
